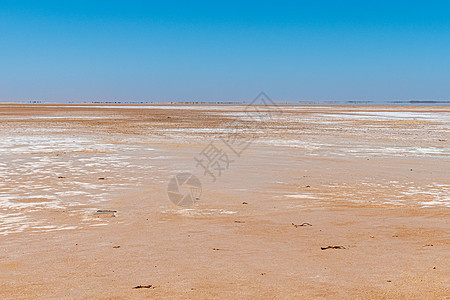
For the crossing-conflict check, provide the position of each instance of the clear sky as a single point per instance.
(229, 50)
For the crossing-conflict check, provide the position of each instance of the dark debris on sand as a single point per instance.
(105, 213)
(332, 247)
(144, 286)
(303, 224)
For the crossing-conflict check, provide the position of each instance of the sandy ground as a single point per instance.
(372, 180)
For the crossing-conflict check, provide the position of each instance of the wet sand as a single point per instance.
(372, 180)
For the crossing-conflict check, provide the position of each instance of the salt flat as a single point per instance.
(372, 179)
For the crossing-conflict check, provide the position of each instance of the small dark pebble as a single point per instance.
(216, 249)
(116, 247)
(239, 222)
(388, 280)
(244, 203)
(61, 177)
(434, 268)
(428, 245)
(308, 186)
(263, 273)
(101, 178)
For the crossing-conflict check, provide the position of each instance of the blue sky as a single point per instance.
(203, 50)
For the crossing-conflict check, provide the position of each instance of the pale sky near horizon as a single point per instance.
(230, 51)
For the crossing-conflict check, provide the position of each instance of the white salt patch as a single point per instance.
(399, 115)
(300, 196)
(197, 212)
(58, 117)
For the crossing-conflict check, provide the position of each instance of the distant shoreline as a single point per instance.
(225, 103)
